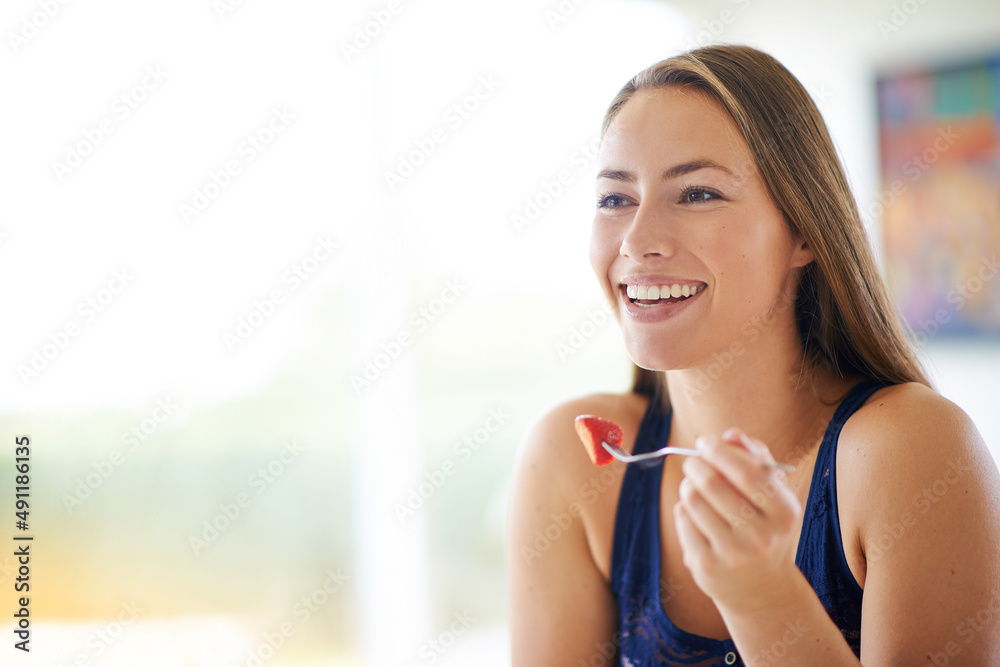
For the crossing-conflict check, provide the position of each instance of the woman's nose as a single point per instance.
(649, 234)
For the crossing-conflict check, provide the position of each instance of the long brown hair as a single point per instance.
(846, 318)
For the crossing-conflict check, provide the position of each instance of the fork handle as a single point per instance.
(773, 465)
(683, 451)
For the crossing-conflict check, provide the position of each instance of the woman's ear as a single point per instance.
(802, 254)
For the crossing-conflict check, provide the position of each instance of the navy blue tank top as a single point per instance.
(648, 637)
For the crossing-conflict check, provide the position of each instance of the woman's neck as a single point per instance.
(760, 389)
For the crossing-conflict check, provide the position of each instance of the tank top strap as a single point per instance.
(823, 489)
(638, 502)
(855, 398)
(654, 427)
(821, 556)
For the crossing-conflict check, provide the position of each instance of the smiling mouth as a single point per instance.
(648, 296)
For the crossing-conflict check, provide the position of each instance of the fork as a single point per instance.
(625, 457)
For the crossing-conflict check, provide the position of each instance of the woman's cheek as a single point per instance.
(603, 249)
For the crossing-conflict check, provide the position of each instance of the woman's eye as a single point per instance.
(610, 201)
(696, 195)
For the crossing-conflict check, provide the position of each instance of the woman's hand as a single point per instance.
(737, 522)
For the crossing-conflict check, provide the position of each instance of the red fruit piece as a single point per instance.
(593, 431)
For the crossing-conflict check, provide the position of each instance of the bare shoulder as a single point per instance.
(919, 494)
(905, 452)
(908, 430)
(551, 442)
(555, 482)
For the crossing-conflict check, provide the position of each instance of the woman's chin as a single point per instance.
(656, 360)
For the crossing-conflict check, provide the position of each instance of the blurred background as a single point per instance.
(285, 283)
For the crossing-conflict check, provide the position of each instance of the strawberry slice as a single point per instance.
(593, 431)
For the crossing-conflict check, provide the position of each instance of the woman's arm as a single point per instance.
(932, 536)
(562, 611)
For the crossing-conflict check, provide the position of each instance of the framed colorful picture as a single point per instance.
(939, 140)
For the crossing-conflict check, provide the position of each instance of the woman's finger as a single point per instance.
(749, 474)
(694, 545)
(716, 529)
(738, 437)
(714, 489)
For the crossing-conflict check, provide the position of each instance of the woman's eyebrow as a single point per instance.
(673, 172)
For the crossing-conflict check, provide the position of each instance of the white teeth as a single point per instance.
(656, 292)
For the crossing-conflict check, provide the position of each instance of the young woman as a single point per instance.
(730, 247)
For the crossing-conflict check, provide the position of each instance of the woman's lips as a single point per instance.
(654, 292)
(648, 310)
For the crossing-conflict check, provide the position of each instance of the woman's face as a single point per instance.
(683, 211)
